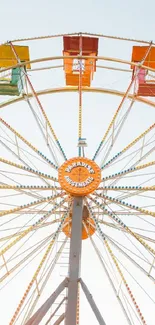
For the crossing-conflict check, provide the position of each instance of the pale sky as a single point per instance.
(131, 19)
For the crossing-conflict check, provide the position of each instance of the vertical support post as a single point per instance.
(74, 261)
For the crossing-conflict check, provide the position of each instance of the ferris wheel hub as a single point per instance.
(79, 176)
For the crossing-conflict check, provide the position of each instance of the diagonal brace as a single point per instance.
(92, 303)
(41, 312)
(60, 319)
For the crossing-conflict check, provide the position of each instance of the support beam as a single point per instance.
(38, 316)
(92, 303)
(60, 319)
(62, 301)
(74, 261)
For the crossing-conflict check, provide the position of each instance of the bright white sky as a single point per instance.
(134, 19)
(130, 19)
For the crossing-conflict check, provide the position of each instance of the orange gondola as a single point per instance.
(145, 87)
(89, 47)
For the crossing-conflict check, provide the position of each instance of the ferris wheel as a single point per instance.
(77, 180)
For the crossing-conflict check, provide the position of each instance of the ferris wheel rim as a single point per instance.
(79, 57)
(68, 89)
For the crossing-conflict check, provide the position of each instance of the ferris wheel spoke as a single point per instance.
(131, 231)
(125, 192)
(24, 190)
(150, 151)
(124, 212)
(27, 187)
(39, 104)
(14, 153)
(127, 188)
(15, 146)
(80, 95)
(37, 210)
(119, 292)
(123, 195)
(22, 207)
(125, 204)
(34, 249)
(30, 228)
(124, 281)
(15, 253)
(138, 193)
(19, 253)
(105, 242)
(33, 194)
(123, 225)
(111, 125)
(18, 135)
(39, 268)
(10, 280)
(46, 118)
(142, 136)
(28, 169)
(111, 282)
(128, 171)
(42, 281)
(143, 259)
(118, 227)
(45, 240)
(137, 255)
(115, 133)
(136, 280)
(18, 273)
(20, 153)
(135, 177)
(121, 104)
(78, 306)
(115, 260)
(17, 233)
(134, 229)
(44, 132)
(114, 226)
(121, 249)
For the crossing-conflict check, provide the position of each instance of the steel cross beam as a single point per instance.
(53, 314)
(38, 316)
(74, 261)
(60, 319)
(92, 303)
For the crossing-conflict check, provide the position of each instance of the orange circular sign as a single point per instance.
(79, 176)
